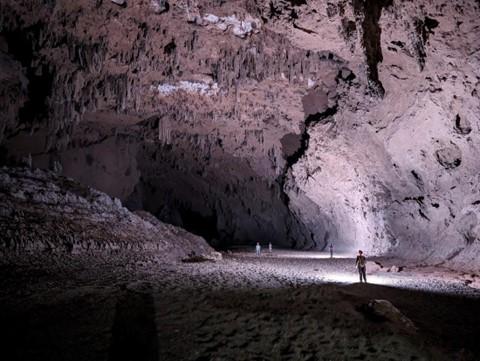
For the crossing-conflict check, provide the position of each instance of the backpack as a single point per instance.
(361, 261)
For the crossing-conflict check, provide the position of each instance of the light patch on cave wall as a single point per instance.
(200, 88)
(240, 28)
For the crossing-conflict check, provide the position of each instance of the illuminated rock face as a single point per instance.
(296, 122)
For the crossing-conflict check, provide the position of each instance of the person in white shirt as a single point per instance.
(258, 249)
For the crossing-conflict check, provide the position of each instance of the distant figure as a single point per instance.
(258, 249)
(361, 264)
(331, 250)
(269, 247)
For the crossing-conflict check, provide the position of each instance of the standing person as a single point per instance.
(258, 249)
(331, 250)
(270, 247)
(361, 264)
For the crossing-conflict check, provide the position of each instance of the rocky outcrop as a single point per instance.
(296, 122)
(385, 311)
(42, 212)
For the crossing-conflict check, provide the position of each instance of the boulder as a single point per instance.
(384, 311)
(373, 267)
(395, 269)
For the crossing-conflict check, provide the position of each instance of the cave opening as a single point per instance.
(202, 225)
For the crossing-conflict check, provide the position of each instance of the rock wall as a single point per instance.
(296, 122)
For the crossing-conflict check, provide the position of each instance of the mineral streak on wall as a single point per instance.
(296, 122)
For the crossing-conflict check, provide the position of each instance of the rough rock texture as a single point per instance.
(296, 122)
(42, 212)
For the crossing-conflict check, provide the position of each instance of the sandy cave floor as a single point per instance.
(285, 306)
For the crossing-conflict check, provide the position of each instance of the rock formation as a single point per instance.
(41, 212)
(296, 122)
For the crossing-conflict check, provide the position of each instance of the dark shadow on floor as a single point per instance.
(452, 321)
(134, 334)
(448, 326)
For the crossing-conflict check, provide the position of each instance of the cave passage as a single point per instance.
(147, 147)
